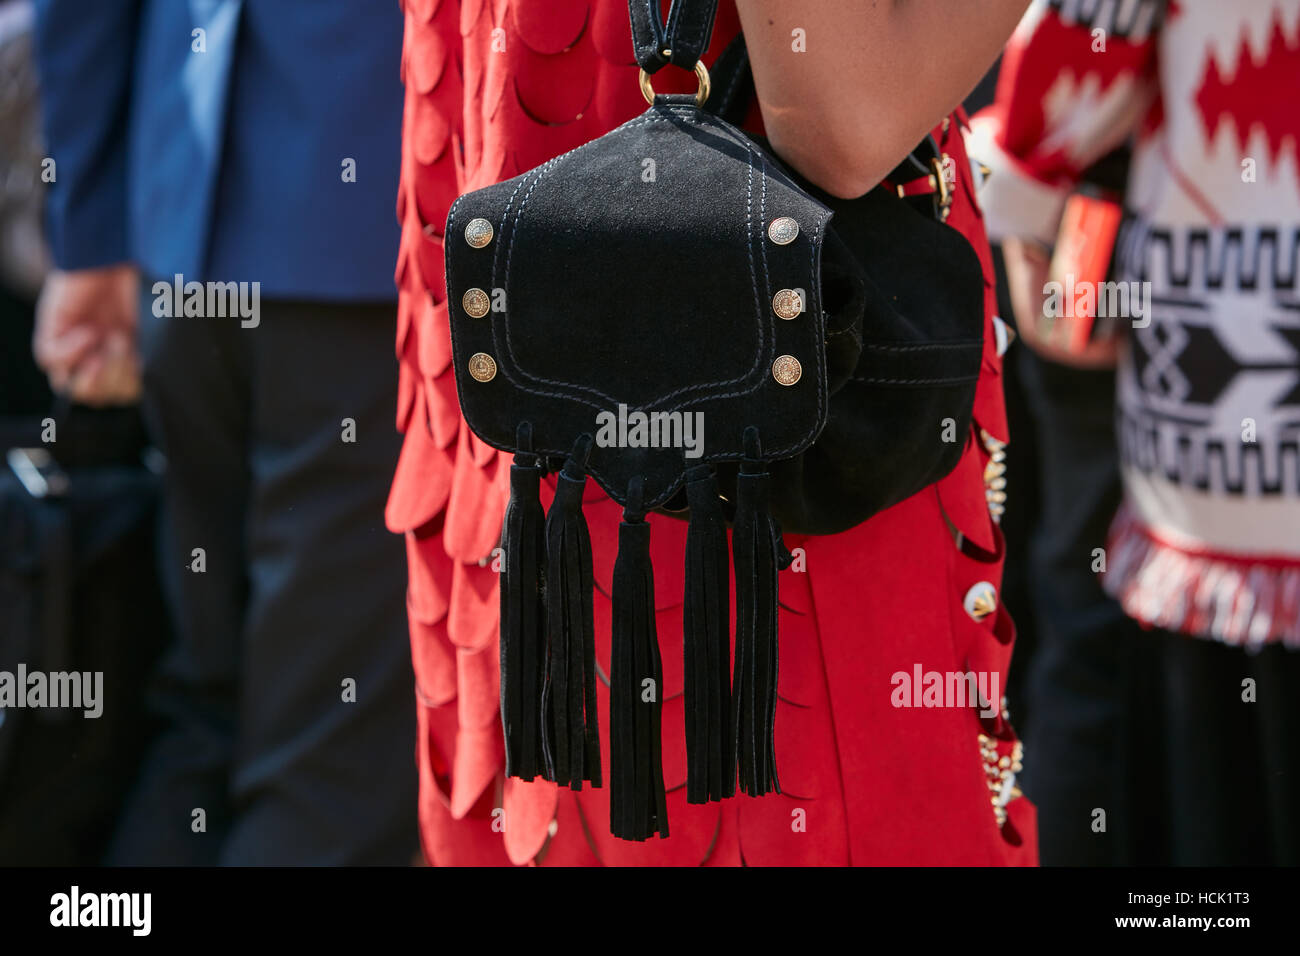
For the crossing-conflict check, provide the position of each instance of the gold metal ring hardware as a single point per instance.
(701, 94)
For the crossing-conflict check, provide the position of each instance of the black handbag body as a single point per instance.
(652, 297)
(671, 311)
(79, 602)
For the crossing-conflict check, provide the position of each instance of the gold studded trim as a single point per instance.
(476, 303)
(478, 233)
(995, 481)
(981, 600)
(1000, 771)
(787, 370)
(482, 367)
(783, 231)
(787, 304)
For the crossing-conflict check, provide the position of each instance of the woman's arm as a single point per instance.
(875, 77)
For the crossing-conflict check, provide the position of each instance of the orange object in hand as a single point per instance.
(1081, 261)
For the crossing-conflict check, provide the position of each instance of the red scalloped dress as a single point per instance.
(493, 88)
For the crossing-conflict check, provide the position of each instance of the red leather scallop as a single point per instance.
(804, 739)
(423, 478)
(617, 97)
(482, 451)
(434, 661)
(962, 495)
(1020, 834)
(983, 651)
(472, 613)
(784, 830)
(547, 102)
(674, 734)
(473, 64)
(434, 189)
(569, 846)
(423, 9)
(470, 12)
(476, 506)
(497, 70)
(428, 589)
(552, 27)
(426, 67)
(408, 384)
(429, 132)
(478, 687)
(444, 422)
(800, 680)
(402, 187)
(400, 274)
(434, 351)
(611, 33)
(529, 810)
(490, 160)
(479, 753)
(693, 832)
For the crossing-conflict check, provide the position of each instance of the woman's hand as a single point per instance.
(1028, 269)
(849, 87)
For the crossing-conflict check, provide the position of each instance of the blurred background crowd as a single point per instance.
(1153, 546)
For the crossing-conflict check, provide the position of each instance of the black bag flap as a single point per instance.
(637, 274)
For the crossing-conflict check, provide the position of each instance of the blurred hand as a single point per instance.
(85, 338)
(1028, 272)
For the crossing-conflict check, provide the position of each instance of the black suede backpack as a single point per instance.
(724, 340)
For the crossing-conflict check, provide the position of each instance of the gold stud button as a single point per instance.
(981, 600)
(787, 370)
(476, 303)
(482, 366)
(783, 231)
(478, 233)
(787, 304)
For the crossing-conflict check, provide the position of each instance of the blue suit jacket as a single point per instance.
(220, 155)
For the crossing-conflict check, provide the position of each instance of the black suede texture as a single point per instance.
(656, 295)
(917, 365)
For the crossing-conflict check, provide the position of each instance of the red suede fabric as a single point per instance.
(493, 88)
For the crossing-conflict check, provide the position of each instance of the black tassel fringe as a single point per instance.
(706, 638)
(758, 553)
(523, 620)
(571, 735)
(638, 803)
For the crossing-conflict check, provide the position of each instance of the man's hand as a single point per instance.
(85, 338)
(1028, 271)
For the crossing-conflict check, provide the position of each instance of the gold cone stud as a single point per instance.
(981, 600)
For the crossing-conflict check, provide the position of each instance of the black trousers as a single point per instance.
(288, 694)
(1140, 749)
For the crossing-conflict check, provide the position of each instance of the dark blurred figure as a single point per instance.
(78, 592)
(242, 158)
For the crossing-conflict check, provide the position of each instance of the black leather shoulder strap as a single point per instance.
(687, 35)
